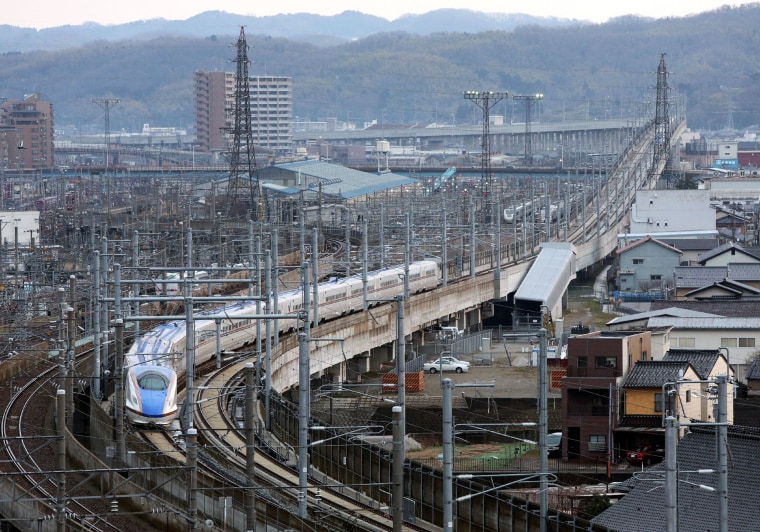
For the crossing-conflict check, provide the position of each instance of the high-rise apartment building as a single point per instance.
(271, 100)
(26, 134)
(214, 97)
(272, 112)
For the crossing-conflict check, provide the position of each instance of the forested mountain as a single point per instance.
(302, 27)
(583, 70)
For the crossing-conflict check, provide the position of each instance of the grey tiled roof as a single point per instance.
(697, 276)
(643, 508)
(733, 309)
(723, 249)
(707, 324)
(669, 311)
(654, 373)
(703, 360)
(753, 372)
(691, 244)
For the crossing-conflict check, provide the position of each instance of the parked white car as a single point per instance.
(447, 364)
(449, 333)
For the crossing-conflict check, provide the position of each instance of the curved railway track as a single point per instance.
(223, 442)
(29, 455)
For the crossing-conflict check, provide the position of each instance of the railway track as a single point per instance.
(330, 506)
(29, 456)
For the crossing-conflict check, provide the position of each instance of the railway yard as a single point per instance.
(71, 307)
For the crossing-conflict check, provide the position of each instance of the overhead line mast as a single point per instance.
(661, 118)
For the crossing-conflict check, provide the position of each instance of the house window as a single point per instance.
(728, 342)
(688, 396)
(643, 355)
(600, 406)
(597, 443)
(746, 342)
(655, 277)
(606, 362)
(658, 402)
(686, 342)
(582, 362)
(638, 261)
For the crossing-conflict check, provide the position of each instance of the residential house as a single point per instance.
(738, 337)
(708, 363)
(644, 505)
(736, 225)
(647, 264)
(691, 248)
(596, 365)
(728, 253)
(689, 278)
(753, 377)
(647, 399)
(661, 334)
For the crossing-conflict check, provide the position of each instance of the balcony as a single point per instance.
(594, 372)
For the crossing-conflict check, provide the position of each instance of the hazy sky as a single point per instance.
(50, 13)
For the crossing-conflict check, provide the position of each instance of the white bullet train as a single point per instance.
(156, 360)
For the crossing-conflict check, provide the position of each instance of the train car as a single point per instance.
(156, 360)
(518, 213)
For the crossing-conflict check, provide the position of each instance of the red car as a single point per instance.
(647, 455)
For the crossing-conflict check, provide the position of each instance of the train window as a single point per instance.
(153, 381)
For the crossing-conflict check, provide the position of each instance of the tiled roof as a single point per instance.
(735, 309)
(697, 276)
(644, 241)
(706, 323)
(703, 360)
(753, 372)
(654, 373)
(691, 244)
(643, 508)
(670, 311)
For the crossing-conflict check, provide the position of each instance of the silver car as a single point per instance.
(447, 364)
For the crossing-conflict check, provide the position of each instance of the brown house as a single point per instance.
(596, 365)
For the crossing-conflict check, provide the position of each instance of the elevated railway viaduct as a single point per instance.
(372, 336)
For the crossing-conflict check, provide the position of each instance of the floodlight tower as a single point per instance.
(529, 99)
(485, 100)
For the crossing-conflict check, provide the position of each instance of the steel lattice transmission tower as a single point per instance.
(661, 119)
(243, 188)
(529, 99)
(485, 100)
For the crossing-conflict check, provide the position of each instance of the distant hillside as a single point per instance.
(302, 27)
(585, 71)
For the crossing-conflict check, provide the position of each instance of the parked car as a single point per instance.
(447, 364)
(449, 333)
(647, 455)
